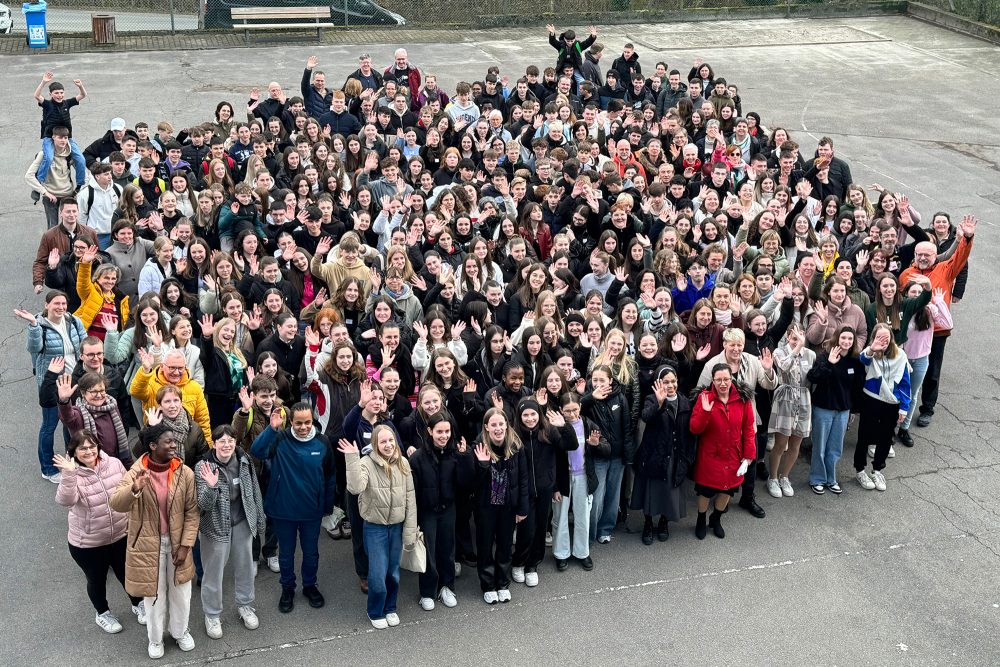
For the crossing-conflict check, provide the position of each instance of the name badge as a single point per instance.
(850, 371)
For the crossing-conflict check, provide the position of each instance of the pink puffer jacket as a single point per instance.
(87, 493)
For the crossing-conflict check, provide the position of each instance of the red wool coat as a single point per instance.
(726, 437)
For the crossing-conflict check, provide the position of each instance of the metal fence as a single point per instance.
(75, 16)
(983, 11)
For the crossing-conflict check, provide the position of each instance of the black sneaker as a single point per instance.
(662, 531)
(647, 534)
(587, 563)
(924, 419)
(905, 437)
(287, 600)
(314, 596)
(562, 564)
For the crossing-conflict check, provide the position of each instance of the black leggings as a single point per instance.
(95, 562)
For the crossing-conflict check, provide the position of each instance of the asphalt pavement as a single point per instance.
(904, 577)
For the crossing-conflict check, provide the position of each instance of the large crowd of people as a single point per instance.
(473, 325)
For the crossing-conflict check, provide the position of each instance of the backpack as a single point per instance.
(90, 195)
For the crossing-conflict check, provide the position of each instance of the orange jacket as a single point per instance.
(943, 274)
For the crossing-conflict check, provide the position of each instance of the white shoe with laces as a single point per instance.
(491, 597)
(55, 477)
(503, 595)
(786, 487)
(108, 622)
(865, 481)
(272, 564)
(773, 488)
(530, 579)
(213, 628)
(879, 480)
(185, 642)
(155, 650)
(447, 597)
(379, 623)
(392, 619)
(517, 574)
(249, 616)
(140, 612)
(427, 604)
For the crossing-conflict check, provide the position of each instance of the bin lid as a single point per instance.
(31, 7)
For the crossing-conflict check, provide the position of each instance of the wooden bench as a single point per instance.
(281, 18)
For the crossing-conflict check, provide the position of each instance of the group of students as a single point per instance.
(488, 323)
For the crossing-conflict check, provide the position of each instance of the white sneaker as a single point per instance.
(140, 612)
(249, 616)
(530, 579)
(871, 451)
(458, 569)
(548, 539)
(427, 604)
(604, 539)
(447, 597)
(108, 622)
(503, 595)
(517, 574)
(878, 479)
(272, 564)
(213, 628)
(773, 488)
(186, 642)
(892, 452)
(491, 597)
(786, 487)
(392, 619)
(379, 623)
(155, 650)
(865, 481)
(55, 478)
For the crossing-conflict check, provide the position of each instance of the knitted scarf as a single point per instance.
(110, 406)
(181, 426)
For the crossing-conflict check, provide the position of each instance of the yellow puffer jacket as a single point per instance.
(92, 298)
(142, 558)
(146, 384)
(385, 492)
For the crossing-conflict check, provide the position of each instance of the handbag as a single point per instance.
(414, 557)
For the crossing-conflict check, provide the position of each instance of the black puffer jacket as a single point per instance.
(542, 454)
(516, 468)
(440, 475)
(613, 419)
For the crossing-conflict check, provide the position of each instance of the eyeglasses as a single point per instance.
(92, 355)
(175, 369)
(86, 448)
(97, 392)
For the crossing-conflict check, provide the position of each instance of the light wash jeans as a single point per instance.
(582, 503)
(916, 380)
(828, 430)
(604, 512)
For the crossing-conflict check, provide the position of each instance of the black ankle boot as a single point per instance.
(647, 531)
(662, 532)
(715, 521)
(699, 530)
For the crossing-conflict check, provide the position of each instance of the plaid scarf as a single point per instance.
(110, 406)
(181, 426)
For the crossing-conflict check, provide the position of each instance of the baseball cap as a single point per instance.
(116, 124)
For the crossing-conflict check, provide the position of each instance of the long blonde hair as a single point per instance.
(511, 443)
(396, 460)
(623, 366)
(233, 349)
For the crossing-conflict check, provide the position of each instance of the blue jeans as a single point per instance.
(828, 430)
(48, 154)
(604, 512)
(46, 440)
(103, 241)
(916, 381)
(384, 545)
(306, 534)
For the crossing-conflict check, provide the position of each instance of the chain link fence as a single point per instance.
(162, 16)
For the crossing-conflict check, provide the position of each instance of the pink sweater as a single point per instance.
(918, 343)
(87, 493)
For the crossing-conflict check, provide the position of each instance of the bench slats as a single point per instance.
(277, 26)
(279, 12)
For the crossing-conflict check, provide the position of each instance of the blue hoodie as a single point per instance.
(303, 474)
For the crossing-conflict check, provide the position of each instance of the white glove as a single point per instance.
(743, 468)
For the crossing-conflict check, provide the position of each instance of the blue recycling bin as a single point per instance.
(34, 18)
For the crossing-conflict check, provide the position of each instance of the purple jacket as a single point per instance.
(87, 493)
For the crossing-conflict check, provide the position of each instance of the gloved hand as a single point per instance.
(743, 467)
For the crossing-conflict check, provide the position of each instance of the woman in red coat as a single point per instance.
(724, 420)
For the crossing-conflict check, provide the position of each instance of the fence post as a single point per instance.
(172, 16)
(788, 9)
(347, 18)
